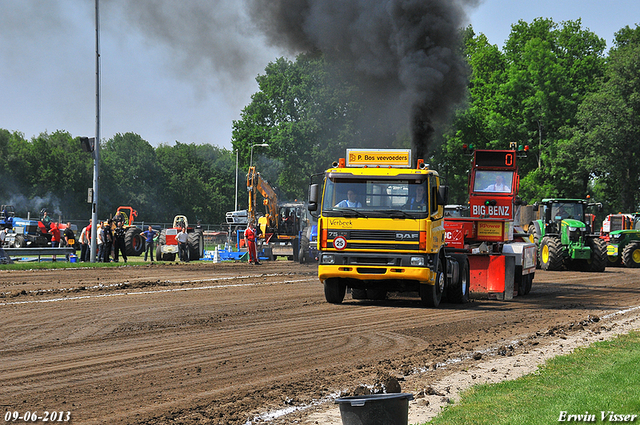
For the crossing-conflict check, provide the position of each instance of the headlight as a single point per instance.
(328, 259)
(417, 261)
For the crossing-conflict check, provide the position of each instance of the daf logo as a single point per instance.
(405, 236)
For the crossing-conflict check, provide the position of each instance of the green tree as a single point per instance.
(199, 181)
(305, 111)
(608, 134)
(130, 176)
(529, 94)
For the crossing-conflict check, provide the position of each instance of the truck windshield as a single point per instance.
(493, 181)
(375, 197)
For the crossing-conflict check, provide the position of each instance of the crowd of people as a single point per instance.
(110, 241)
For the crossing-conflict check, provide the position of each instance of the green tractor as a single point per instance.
(621, 233)
(565, 236)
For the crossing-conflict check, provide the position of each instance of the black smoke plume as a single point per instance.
(406, 54)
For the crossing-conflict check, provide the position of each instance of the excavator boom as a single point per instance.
(255, 185)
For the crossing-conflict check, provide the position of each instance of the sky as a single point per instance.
(181, 71)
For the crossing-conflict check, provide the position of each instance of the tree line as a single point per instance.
(553, 87)
(51, 171)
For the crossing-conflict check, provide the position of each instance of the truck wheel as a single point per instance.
(551, 254)
(598, 260)
(431, 295)
(459, 291)
(527, 282)
(133, 242)
(630, 255)
(334, 290)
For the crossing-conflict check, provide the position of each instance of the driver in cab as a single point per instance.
(350, 202)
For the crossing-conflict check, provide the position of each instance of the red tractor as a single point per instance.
(133, 239)
(167, 248)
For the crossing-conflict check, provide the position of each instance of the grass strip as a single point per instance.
(603, 378)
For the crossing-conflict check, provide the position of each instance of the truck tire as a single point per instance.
(159, 253)
(334, 290)
(630, 255)
(195, 242)
(598, 260)
(551, 254)
(431, 295)
(458, 292)
(133, 242)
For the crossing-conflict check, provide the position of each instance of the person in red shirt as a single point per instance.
(55, 238)
(250, 238)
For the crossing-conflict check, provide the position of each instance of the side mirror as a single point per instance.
(442, 198)
(313, 197)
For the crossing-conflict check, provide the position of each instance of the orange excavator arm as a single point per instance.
(255, 185)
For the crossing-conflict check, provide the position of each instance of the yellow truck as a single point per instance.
(381, 229)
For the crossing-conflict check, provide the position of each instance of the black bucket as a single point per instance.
(375, 409)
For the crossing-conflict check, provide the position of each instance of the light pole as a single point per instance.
(236, 180)
(264, 145)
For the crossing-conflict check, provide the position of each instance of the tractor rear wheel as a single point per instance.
(631, 255)
(551, 254)
(195, 242)
(134, 242)
(159, 253)
(598, 260)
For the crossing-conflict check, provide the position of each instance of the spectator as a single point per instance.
(55, 239)
(69, 238)
(4, 258)
(183, 249)
(100, 242)
(149, 235)
(107, 235)
(250, 235)
(118, 237)
(84, 243)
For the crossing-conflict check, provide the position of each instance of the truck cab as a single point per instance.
(380, 230)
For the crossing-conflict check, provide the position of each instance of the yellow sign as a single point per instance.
(400, 158)
(488, 229)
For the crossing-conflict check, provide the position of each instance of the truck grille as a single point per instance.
(376, 235)
(382, 246)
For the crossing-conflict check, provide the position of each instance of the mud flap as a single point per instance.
(492, 276)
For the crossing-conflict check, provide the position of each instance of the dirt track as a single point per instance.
(231, 343)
